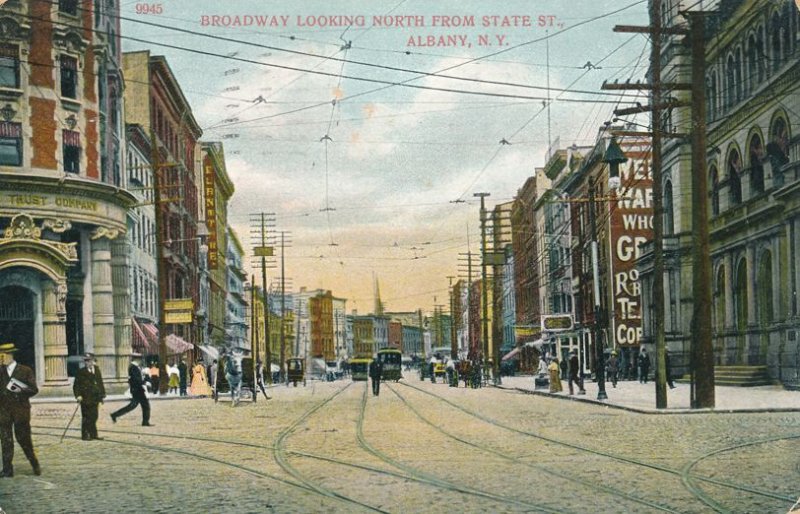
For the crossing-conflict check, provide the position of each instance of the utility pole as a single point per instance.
(259, 235)
(283, 305)
(655, 85)
(702, 347)
(253, 328)
(484, 289)
(598, 331)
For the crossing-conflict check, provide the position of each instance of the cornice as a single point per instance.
(67, 186)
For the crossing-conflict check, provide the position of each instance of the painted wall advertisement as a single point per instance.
(631, 225)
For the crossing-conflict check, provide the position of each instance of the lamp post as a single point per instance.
(613, 157)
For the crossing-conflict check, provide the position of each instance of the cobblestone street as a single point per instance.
(418, 447)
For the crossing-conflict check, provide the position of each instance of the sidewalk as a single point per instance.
(636, 397)
(127, 396)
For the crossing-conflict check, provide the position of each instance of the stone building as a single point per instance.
(753, 164)
(63, 205)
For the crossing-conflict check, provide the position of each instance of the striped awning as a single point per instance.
(176, 344)
(140, 342)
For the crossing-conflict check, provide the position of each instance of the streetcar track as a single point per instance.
(279, 453)
(431, 479)
(621, 458)
(587, 483)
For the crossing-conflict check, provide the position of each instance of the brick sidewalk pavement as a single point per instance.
(631, 395)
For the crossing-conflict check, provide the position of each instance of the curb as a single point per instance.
(642, 410)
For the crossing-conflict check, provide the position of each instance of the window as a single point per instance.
(735, 178)
(10, 144)
(68, 7)
(714, 181)
(756, 166)
(669, 215)
(72, 151)
(9, 66)
(69, 77)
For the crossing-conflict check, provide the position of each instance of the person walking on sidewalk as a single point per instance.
(260, 379)
(183, 374)
(612, 368)
(17, 385)
(668, 366)
(574, 373)
(90, 393)
(138, 394)
(644, 366)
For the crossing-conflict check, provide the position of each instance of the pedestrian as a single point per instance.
(138, 393)
(375, 372)
(147, 380)
(668, 366)
(183, 372)
(450, 369)
(213, 370)
(233, 372)
(174, 378)
(432, 368)
(644, 366)
(199, 380)
(260, 378)
(155, 377)
(90, 393)
(574, 373)
(555, 380)
(612, 368)
(17, 385)
(564, 369)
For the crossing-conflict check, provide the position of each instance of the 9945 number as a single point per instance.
(149, 9)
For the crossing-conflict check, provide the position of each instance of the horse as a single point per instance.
(233, 373)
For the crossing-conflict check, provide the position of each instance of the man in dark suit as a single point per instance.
(138, 395)
(375, 372)
(90, 392)
(183, 375)
(17, 385)
(575, 373)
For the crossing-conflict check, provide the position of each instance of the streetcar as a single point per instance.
(392, 361)
(359, 368)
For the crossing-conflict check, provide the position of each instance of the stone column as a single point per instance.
(103, 305)
(122, 305)
(728, 323)
(751, 340)
(54, 332)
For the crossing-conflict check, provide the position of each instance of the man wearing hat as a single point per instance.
(138, 396)
(575, 372)
(17, 385)
(90, 392)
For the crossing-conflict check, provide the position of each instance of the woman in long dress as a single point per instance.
(199, 381)
(555, 379)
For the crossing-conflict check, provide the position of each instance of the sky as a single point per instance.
(375, 180)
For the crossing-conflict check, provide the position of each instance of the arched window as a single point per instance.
(730, 84)
(775, 55)
(713, 183)
(756, 155)
(719, 299)
(752, 64)
(778, 146)
(740, 296)
(735, 177)
(760, 55)
(786, 30)
(738, 75)
(766, 311)
(669, 213)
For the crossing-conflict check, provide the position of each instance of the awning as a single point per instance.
(139, 342)
(176, 344)
(275, 368)
(211, 352)
(535, 344)
(151, 331)
(511, 354)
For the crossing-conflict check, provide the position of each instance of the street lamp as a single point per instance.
(613, 157)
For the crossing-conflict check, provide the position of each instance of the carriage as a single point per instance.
(295, 371)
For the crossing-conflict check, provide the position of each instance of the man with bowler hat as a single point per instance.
(17, 385)
(90, 393)
(138, 396)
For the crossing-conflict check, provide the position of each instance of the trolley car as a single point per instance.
(359, 369)
(392, 361)
(295, 371)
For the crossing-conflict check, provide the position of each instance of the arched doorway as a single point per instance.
(740, 310)
(17, 323)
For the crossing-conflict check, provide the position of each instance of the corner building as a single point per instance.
(63, 204)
